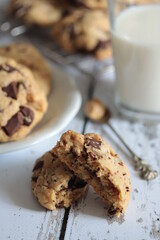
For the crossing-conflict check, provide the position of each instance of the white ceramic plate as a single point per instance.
(64, 103)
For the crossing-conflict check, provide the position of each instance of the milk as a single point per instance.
(136, 49)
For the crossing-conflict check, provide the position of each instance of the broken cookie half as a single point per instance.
(93, 160)
(54, 185)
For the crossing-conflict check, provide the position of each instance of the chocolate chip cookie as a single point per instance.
(37, 12)
(53, 184)
(94, 161)
(22, 103)
(28, 55)
(84, 31)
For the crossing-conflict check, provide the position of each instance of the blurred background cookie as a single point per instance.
(37, 12)
(84, 31)
(22, 103)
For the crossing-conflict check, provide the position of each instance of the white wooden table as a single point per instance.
(22, 218)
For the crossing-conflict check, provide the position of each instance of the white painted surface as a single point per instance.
(21, 217)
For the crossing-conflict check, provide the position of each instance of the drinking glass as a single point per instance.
(135, 35)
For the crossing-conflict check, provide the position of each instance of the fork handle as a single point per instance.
(145, 170)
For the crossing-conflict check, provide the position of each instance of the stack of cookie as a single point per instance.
(25, 82)
(60, 176)
(77, 25)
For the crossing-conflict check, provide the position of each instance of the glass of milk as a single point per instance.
(135, 31)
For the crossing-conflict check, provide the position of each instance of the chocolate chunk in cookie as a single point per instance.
(28, 115)
(13, 124)
(11, 90)
(24, 117)
(94, 143)
(76, 182)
